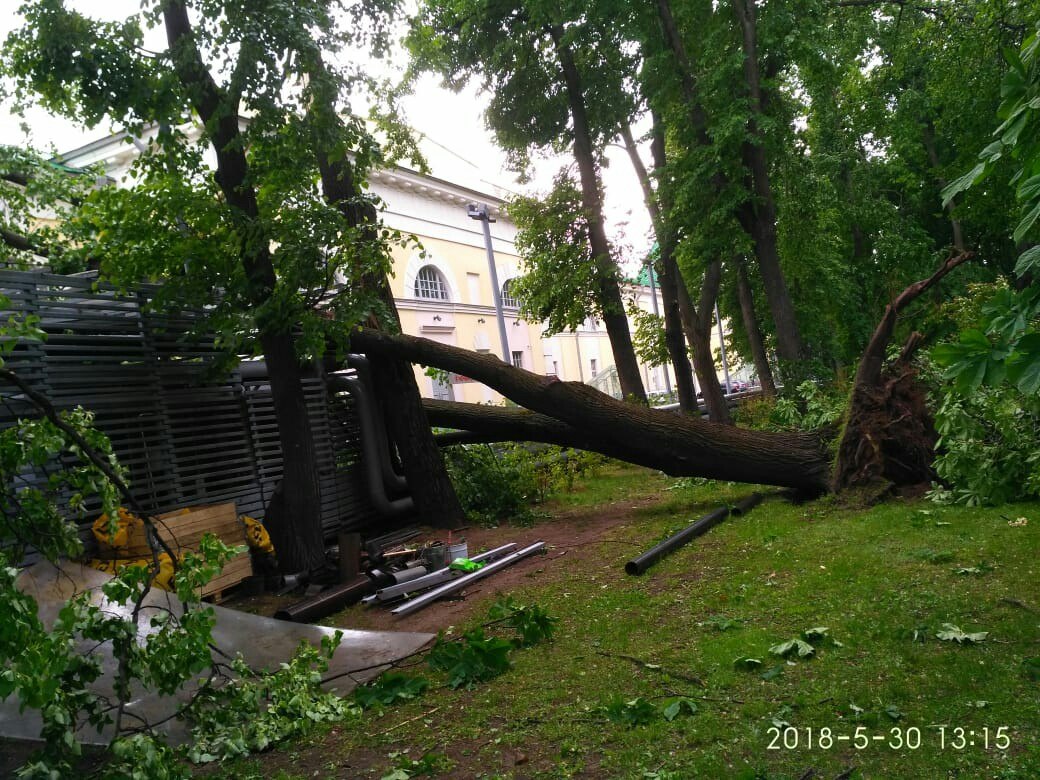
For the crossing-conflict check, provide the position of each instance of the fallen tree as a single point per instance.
(575, 414)
(886, 411)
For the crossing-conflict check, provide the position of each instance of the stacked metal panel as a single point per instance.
(186, 434)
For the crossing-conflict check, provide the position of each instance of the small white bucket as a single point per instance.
(457, 550)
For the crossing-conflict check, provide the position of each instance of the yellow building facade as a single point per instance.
(444, 290)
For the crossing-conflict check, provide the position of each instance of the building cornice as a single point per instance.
(119, 149)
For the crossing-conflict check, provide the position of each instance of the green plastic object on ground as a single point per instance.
(466, 565)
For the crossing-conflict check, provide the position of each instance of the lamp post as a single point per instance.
(481, 212)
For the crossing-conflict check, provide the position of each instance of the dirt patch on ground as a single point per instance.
(574, 538)
(569, 537)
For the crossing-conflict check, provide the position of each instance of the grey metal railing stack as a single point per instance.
(187, 434)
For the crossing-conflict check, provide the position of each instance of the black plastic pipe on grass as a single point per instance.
(746, 505)
(639, 565)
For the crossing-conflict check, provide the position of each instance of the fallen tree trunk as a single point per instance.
(677, 444)
(887, 435)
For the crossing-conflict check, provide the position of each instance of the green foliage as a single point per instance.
(47, 671)
(640, 712)
(793, 647)
(631, 712)
(747, 663)
(988, 447)
(934, 556)
(390, 688)
(497, 483)
(648, 337)
(559, 284)
(51, 669)
(951, 633)
(1031, 668)
(680, 705)
(1005, 344)
(476, 658)
(811, 407)
(723, 623)
(144, 757)
(492, 487)
(265, 260)
(431, 764)
(531, 623)
(38, 196)
(253, 711)
(37, 513)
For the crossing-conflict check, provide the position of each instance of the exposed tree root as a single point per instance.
(889, 436)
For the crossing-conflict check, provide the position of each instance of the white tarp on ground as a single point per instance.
(262, 642)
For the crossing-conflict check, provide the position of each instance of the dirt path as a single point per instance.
(569, 537)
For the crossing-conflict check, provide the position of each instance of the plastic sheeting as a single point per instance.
(262, 642)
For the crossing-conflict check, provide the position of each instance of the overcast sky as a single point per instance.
(453, 124)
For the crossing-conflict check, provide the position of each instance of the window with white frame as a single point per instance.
(508, 299)
(593, 367)
(430, 284)
(518, 359)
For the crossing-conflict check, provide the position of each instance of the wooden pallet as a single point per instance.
(183, 530)
(236, 571)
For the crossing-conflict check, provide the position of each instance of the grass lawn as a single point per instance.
(883, 581)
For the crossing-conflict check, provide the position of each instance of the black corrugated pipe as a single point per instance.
(745, 506)
(366, 412)
(652, 556)
(392, 480)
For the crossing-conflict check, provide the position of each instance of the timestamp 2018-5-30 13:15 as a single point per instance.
(937, 736)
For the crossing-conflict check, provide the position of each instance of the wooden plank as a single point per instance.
(235, 570)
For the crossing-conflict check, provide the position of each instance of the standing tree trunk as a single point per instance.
(296, 529)
(933, 160)
(428, 481)
(759, 224)
(608, 293)
(697, 323)
(754, 333)
(667, 270)
(759, 216)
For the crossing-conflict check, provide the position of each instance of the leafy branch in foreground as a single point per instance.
(51, 469)
(476, 657)
(1006, 344)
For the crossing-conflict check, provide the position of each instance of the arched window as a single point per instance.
(508, 299)
(430, 284)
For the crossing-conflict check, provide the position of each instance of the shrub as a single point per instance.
(501, 482)
(989, 445)
(810, 408)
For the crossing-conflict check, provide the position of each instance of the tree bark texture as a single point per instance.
(697, 324)
(677, 443)
(760, 214)
(608, 293)
(428, 482)
(754, 332)
(296, 530)
(667, 271)
(759, 225)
